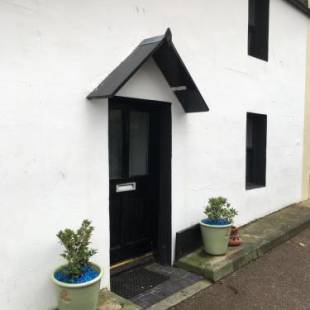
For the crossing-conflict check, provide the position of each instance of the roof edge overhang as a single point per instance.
(164, 53)
(301, 6)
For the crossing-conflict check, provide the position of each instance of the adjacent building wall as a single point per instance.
(54, 143)
(306, 158)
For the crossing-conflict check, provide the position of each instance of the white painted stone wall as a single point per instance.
(54, 143)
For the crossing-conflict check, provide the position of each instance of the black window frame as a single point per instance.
(258, 29)
(256, 148)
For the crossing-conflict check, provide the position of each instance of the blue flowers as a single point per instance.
(89, 273)
(216, 222)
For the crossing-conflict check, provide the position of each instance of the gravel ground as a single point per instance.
(279, 280)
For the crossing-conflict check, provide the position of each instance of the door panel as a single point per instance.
(133, 159)
(115, 222)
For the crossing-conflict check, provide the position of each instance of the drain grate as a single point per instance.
(136, 281)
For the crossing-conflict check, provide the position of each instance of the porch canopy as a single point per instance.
(168, 60)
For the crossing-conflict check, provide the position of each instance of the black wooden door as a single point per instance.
(133, 161)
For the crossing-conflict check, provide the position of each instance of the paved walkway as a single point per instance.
(279, 280)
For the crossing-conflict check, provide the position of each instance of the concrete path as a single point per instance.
(279, 280)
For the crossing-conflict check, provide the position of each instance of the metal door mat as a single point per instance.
(136, 281)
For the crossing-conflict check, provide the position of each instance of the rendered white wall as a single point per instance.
(54, 148)
(208, 154)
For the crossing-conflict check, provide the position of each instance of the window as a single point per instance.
(116, 143)
(256, 132)
(129, 132)
(258, 29)
(139, 143)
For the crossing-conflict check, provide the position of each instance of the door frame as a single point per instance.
(163, 249)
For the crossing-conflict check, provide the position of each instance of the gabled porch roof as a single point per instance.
(164, 53)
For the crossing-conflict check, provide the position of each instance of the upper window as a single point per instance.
(256, 132)
(258, 29)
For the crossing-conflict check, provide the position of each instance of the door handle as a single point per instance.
(126, 187)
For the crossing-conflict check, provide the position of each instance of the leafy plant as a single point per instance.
(77, 251)
(219, 208)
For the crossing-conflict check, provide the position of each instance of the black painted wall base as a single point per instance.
(187, 240)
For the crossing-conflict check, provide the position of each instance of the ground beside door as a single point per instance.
(279, 280)
(149, 291)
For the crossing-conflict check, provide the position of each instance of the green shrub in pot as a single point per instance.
(78, 281)
(215, 229)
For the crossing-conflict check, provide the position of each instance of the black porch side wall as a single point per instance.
(164, 224)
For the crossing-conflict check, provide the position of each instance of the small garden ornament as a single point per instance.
(77, 282)
(215, 229)
(234, 238)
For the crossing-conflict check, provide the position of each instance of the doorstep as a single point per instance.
(258, 237)
(111, 301)
(151, 286)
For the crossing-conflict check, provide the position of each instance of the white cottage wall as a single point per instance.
(54, 150)
(208, 149)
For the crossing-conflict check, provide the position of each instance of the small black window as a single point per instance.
(256, 132)
(258, 29)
